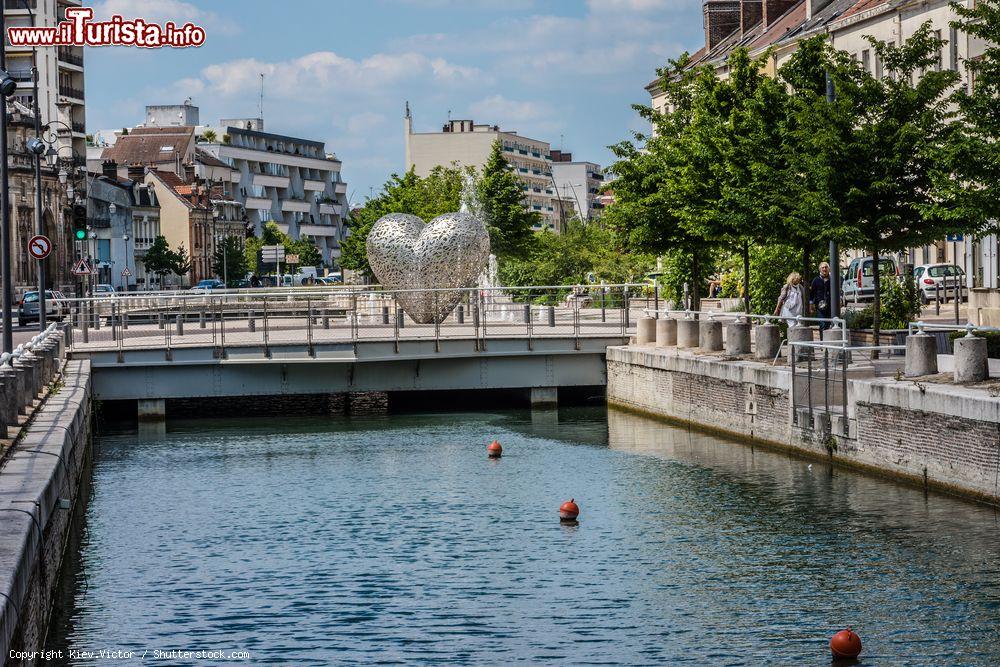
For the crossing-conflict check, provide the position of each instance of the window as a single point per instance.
(941, 271)
(866, 60)
(937, 64)
(878, 66)
(953, 49)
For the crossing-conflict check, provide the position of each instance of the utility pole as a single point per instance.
(5, 258)
(834, 251)
(39, 224)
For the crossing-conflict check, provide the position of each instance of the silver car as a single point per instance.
(938, 281)
(27, 307)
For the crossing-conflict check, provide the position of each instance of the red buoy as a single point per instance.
(845, 644)
(494, 450)
(569, 510)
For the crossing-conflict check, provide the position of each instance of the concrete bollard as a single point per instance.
(400, 318)
(768, 341)
(645, 331)
(687, 333)
(971, 362)
(710, 335)
(738, 338)
(921, 355)
(666, 332)
(385, 316)
(180, 325)
(460, 314)
(527, 313)
(201, 319)
(552, 316)
(160, 319)
(799, 334)
(326, 319)
(251, 322)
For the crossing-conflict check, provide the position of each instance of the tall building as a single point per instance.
(467, 144)
(60, 74)
(289, 180)
(581, 181)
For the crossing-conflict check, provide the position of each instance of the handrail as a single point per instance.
(934, 326)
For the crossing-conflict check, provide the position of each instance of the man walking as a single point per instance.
(819, 294)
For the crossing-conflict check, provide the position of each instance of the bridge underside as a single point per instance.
(453, 364)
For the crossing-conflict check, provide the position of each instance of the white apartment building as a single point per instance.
(60, 74)
(580, 181)
(779, 25)
(467, 144)
(292, 181)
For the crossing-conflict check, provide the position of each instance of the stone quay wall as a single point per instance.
(939, 435)
(41, 475)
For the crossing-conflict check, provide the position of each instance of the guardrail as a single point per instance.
(307, 316)
(26, 371)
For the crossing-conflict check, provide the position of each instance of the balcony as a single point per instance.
(99, 221)
(66, 55)
(329, 209)
(258, 203)
(70, 91)
(312, 185)
(21, 75)
(79, 127)
(19, 4)
(264, 180)
(340, 188)
(295, 205)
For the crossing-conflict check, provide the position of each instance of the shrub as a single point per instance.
(769, 268)
(992, 341)
(859, 319)
(900, 303)
(731, 285)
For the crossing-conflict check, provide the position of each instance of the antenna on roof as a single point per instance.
(449, 115)
(260, 106)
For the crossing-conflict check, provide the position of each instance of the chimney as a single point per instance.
(813, 6)
(109, 168)
(136, 172)
(189, 173)
(773, 10)
(751, 13)
(722, 19)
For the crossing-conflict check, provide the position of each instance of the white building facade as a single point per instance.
(580, 181)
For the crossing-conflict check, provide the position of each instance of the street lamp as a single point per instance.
(125, 237)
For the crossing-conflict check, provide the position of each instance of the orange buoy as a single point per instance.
(569, 510)
(845, 644)
(494, 450)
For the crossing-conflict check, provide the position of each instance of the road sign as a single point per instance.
(39, 246)
(81, 268)
(292, 259)
(126, 273)
(956, 238)
(272, 254)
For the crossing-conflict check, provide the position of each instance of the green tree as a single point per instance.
(158, 259)
(180, 263)
(500, 194)
(971, 162)
(209, 136)
(873, 154)
(229, 261)
(308, 253)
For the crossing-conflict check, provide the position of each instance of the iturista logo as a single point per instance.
(79, 29)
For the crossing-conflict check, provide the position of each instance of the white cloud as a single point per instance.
(161, 11)
(613, 6)
(497, 108)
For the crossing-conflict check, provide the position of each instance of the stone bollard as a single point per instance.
(326, 319)
(768, 341)
(666, 332)
(460, 314)
(385, 316)
(738, 338)
(400, 318)
(687, 333)
(180, 325)
(552, 316)
(921, 355)
(251, 322)
(710, 335)
(971, 362)
(201, 319)
(160, 319)
(799, 333)
(527, 313)
(8, 402)
(645, 331)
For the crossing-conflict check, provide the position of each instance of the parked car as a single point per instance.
(930, 276)
(104, 290)
(858, 283)
(208, 284)
(56, 307)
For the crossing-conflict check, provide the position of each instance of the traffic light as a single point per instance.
(79, 222)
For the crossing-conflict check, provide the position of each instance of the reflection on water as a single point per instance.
(319, 541)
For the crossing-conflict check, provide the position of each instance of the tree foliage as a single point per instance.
(501, 197)
(161, 261)
(229, 262)
(271, 234)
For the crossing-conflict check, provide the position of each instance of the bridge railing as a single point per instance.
(311, 317)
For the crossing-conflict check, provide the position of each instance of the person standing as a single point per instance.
(792, 300)
(820, 294)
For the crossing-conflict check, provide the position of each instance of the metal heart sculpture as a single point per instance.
(449, 252)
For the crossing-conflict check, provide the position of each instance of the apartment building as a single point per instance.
(60, 74)
(777, 27)
(291, 181)
(581, 181)
(468, 144)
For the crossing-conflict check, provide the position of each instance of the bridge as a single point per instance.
(304, 341)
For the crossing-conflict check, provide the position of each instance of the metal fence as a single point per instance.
(312, 316)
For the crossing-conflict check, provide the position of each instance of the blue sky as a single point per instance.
(341, 71)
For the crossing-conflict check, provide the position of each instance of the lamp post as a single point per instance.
(125, 238)
(7, 87)
(834, 251)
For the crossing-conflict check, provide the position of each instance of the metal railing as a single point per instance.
(314, 316)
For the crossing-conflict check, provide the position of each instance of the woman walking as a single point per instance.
(791, 301)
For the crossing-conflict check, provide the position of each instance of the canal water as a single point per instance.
(394, 539)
